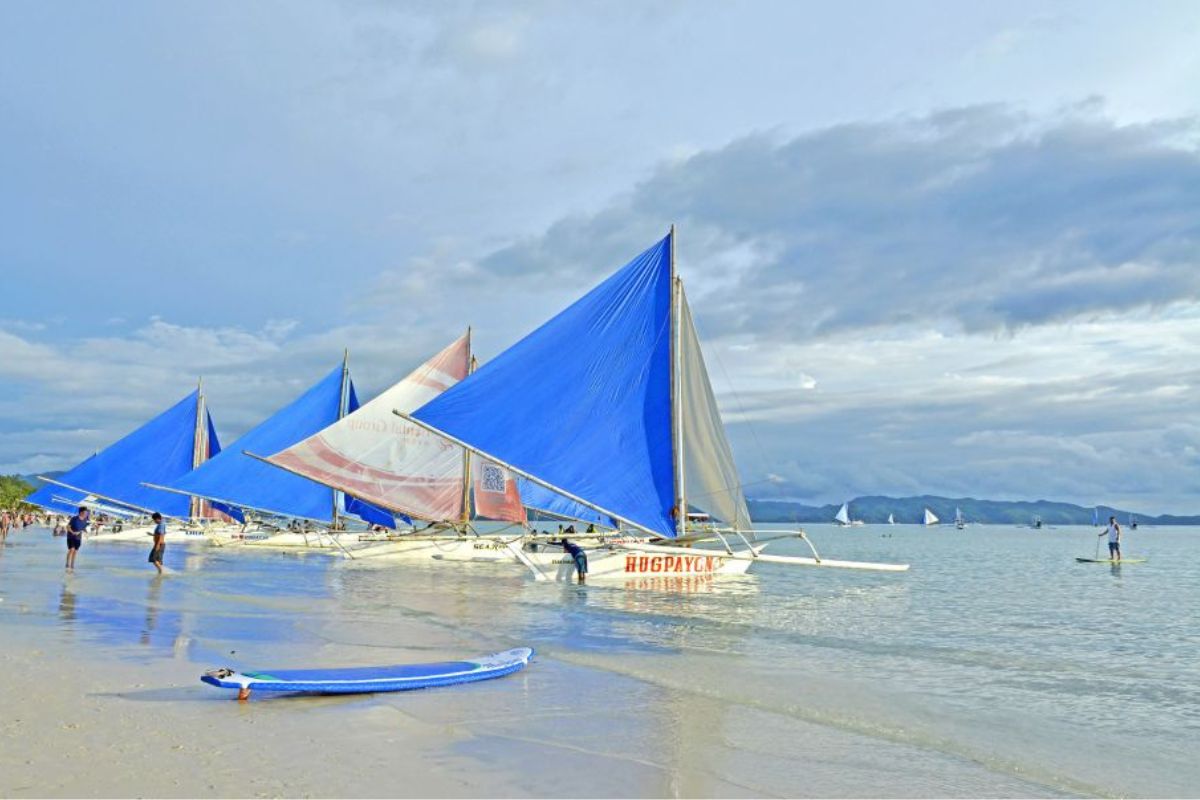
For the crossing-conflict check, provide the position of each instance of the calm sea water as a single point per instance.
(996, 666)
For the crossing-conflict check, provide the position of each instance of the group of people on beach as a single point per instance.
(11, 520)
(78, 525)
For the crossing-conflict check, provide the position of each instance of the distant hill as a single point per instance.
(876, 508)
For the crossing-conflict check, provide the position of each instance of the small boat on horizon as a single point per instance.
(842, 517)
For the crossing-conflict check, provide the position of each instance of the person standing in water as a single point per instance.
(75, 529)
(160, 542)
(1113, 531)
(578, 556)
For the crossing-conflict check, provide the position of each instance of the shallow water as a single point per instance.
(996, 666)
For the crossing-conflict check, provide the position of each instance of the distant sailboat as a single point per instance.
(1095, 517)
(959, 522)
(1037, 523)
(891, 519)
(842, 517)
(930, 517)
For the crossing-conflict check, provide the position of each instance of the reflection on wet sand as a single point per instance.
(66, 603)
(153, 595)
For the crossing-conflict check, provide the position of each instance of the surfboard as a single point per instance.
(1110, 560)
(352, 680)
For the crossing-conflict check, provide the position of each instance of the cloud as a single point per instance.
(979, 216)
(68, 399)
(975, 301)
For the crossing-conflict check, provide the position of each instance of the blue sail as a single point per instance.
(233, 478)
(539, 498)
(584, 402)
(58, 499)
(159, 452)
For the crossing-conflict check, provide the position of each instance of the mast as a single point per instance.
(466, 498)
(677, 394)
(343, 409)
(199, 442)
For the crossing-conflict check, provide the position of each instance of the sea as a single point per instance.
(996, 666)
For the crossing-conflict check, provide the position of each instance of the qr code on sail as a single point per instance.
(491, 478)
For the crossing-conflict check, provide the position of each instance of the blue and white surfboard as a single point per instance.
(397, 678)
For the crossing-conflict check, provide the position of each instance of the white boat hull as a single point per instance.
(460, 549)
(640, 569)
(291, 540)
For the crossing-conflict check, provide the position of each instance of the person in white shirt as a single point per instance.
(1113, 531)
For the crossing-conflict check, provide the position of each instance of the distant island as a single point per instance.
(875, 509)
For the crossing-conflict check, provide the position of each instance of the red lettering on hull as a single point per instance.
(673, 564)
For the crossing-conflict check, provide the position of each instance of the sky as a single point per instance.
(930, 247)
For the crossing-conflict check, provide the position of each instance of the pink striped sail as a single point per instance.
(376, 456)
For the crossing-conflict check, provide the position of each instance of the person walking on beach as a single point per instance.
(75, 529)
(160, 542)
(578, 556)
(1113, 531)
(4, 523)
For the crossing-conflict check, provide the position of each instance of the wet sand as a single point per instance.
(740, 692)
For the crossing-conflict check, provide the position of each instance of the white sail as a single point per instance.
(375, 456)
(930, 518)
(842, 517)
(713, 483)
(891, 519)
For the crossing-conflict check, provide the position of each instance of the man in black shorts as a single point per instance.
(75, 529)
(160, 542)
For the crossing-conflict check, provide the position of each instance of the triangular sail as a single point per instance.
(930, 518)
(891, 519)
(710, 475)
(843, 515)
(583, 403)
(374, 455)
(238, 479)
(158, 452)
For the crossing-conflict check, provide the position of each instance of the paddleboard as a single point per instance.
(1110, 560)
(397, 678)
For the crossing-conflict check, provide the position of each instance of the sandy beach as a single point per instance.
(632, 694)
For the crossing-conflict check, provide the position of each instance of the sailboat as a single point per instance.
(623, 422)
(163, 449)
(1095, 517)
(959, 522)
(397, 465)
(930, 517)
(891, 519)
(238, 480)
(842, 517)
